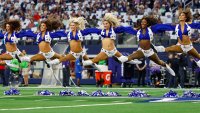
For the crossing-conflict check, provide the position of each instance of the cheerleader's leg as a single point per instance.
(136, 55)
(67, 57)
(157, 60)
(193, 52)
(57, 56)
(100, 56)
(5, 57)
(174, 48)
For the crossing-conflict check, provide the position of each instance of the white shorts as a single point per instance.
(48, 55)
(25, 71)
(17, 52)
(109, 53)
(77, 55)
(147, 53)
(185, 48)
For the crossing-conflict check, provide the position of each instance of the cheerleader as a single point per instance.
(75, 38)
(10, 39)
(183, 32)
(145, 36)
(43, 39)
(111, 26)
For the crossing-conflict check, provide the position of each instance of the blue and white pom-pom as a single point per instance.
(171, 94)
(190, 94)
(67, 93)
(138, 93)
(98, 93)
(83, 93)
(113, 94)
(12, 91)
(45, 93)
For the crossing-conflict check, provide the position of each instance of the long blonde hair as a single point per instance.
(112, 19)
(80, 21)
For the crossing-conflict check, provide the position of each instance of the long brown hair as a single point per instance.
(15, 25)
(188, 15)
(51, 23)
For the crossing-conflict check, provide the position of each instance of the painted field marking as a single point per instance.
(41, 100)
(56, 107)
(165, 100)
(79, 100)
(11, 96)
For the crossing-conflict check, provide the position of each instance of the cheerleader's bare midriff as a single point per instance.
(185, 40)
(10, 47)
(44, 47)
(75, 46)
(108, 44)
(145, 44)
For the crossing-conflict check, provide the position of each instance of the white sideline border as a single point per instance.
(56, 107)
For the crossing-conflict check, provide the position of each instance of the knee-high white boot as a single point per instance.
(123, 59)
(160, 48)
(170, 70)
(87, 62)
(135, 61)
(54, 62)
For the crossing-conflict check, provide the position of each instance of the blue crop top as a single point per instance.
(47, 37)
(113, 31)
(79, 34)
(14, 36)
(177, 28)
(147, 36)
(186, 31)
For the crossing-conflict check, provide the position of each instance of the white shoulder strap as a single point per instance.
(80, 36)
(113, 34)
(138, 35)
(150, 34)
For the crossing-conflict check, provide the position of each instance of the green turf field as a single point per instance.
(28, 102)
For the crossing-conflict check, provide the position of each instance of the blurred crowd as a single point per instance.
(128, 11)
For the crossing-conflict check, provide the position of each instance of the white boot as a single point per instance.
(123, 59)
(55, 61)
(198, 63)
(12, 65)
(160, 48)
(135, 61)
(170, 70)
(97, 67)
(87, 62)
(25, 58)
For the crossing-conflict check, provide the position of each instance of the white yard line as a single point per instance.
(196, 102)
(10, 96)
(79, 100)
(56, 107)
(41, 100)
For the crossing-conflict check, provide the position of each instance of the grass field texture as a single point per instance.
(29, 102)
